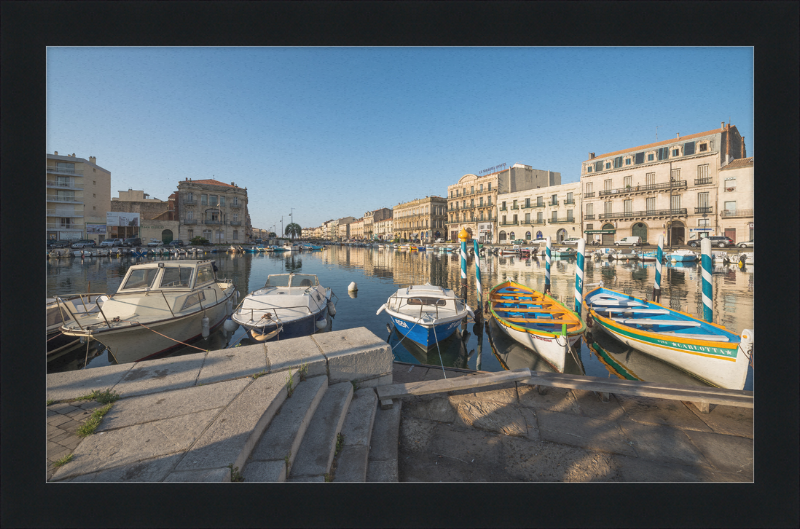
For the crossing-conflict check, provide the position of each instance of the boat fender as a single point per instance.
(352, 287)
(589, 321)
(205, 327)
(321, 324)
(230, 325)
(331, 308)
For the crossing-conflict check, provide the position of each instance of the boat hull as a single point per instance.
(553, 349)
(720, 364)
(425, 335)
(305, 326)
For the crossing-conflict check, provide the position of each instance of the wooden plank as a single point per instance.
(727, 397)
(555, 322)
(394, 391)
(512, 309)
(647, 321)
(637, 310)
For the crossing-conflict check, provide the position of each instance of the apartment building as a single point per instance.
(551, 211)
(213, 210)
(736, 192)
(158, 219)
(343, 227)
(421, 218)
(357, 229)
(383, 229)
(472, 202)
(671, 187)
(78, 194)
(370, 217)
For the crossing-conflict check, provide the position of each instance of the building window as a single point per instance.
(588, 168)
(627, 181)
(607, 185)
(472, 202)
(650, 157)
(703, 147)
(589, 187)
(207, 235)
(607, 206)
(651, 204)
(702, 200)
(650, 179)
(703, 223)
(235, 235)
(730, 207)
(627, 161)
(527, 202)
(702, 172)
(481, 188)
(570, 218)
(675, 175)
(608, 165)
(539, 217)
(235, 217)
(191, 234)
(675, 202)
(590, 209)
(203, 200)
(222, 201)
(190, 215)
(676, 152)
(570, 199)
(554, 215)
(481, 215)
(554, 200)
(480, 202)
(504, 205)
(730, 183)
(628, 206)
(540, 201)
(527, 218)
(589, 226)
(471, 190)
(489, 186)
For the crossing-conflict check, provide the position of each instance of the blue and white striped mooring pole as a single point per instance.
(659, 258)
(708, 296)
(462, 236)
(579, 276)
(479, 311)
(547, 268)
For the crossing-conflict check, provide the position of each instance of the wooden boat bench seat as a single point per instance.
(647, 321)
(636, 310)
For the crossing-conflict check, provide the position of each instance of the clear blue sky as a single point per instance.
(333, 132)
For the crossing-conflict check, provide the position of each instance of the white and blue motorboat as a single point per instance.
(426, 314)
(288, 306)
(682, 256)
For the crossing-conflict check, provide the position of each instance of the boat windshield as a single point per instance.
(304, 280)
(281, 280)
(176, 277)
(140, 278)
(427, 301)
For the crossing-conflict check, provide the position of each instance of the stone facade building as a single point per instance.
(78, 194)
(735, 206)
(383, 229)
(421, 218)
(550, 211)
(214, 210)
(158, 219)
(357, 229)
(472, 202)
(370, 217)
(343, 227)
(670, 187)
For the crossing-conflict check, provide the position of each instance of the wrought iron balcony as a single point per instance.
(538, 205)
(192, 202)
(737, 213)
(675, 184)
(553, 202)
(527, 206)
(214, 222)
(510, 223)
(71, 170)
(64, 185)
(590, 194)
(190, 222)
(514, 207)
(643, 214)
(703, 181)
(236, 223)
(569, 201)
(71, 200)
(503, 209)
(61, 226)
(588, 217)
(51, 213)
(536, 222)
(567, 220)
(706, 209)
(235, 206)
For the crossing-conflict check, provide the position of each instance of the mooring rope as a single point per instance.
(440, 351)
(404, 335)
(168, 338)
(56, 336)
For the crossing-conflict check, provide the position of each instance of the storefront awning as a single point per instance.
(600, 231)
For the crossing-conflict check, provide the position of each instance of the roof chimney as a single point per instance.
(722, 125)
(56, 153)
(93, 160)
(591, 155)
(678, 135)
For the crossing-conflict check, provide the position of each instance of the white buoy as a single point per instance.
(230, 325)
(353, 287)
(321, 324)
(205, 327)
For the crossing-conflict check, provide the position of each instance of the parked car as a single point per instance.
(52, 243)
(519, 241)
(132, 241)
(439, 240)
(746, 244)
(720, 241)
(176, 242)
(633, 240)
(571, 240)
(83, 243)
(111, 242)
(155, 242)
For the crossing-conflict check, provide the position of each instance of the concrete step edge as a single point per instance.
(382, 457)
(352, 460)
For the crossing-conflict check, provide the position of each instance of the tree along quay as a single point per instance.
(380, 272)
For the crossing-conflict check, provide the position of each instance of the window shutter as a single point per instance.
(639, 158)
(618, 161)
(598, 166)
(688, 148)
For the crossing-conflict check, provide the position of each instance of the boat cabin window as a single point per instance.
(304, 280)
(140, 278)
(193, 299)
(427, 301)
(204, 275)
(176, 277)
(281, 280)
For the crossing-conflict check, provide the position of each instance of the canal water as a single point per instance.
(380, 272)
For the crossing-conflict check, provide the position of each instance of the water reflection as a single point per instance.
(379, 273)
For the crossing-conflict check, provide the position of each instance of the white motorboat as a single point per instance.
(426, 313)
(159, 306)
(288, 306)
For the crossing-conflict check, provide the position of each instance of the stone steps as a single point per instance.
(274, 454)
(357, 432)
(316, 451)
(382, 460)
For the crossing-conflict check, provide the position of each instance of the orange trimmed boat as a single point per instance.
(536, 320)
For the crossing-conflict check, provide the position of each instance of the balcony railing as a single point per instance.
(510, 223)
(190, 222)
(235, 206)
(737, 213)
(236, 223)
(55, 170)
(706, 209)
(64, 215)
(514, 207)
(527, 206)
(675, 184)
(213, 222)
(703, 181)
(71, 200)
(192, 202)
(590, 194)
(61, 226)
(538, 205)
(536, 222)
(64, 185)
(650, 213)
(503, 209)
(588, 217)
(554, 202)
(562, 221)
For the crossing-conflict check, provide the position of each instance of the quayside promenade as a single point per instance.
(314, 409)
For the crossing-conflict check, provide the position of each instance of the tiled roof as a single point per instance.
(738, 164)
(660, 143)
(211, 183)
